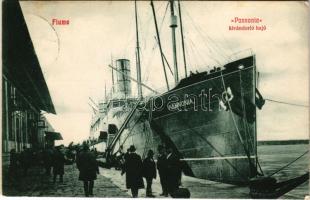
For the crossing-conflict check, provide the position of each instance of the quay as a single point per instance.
(37, 184)
(29, 138)
(199, 188)
(110, 182)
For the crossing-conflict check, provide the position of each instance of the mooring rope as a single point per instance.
(213, 147)
(290, 163)
(287, 103)
(235, 124)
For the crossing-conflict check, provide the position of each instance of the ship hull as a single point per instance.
(211, 125)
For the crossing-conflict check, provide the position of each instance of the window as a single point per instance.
(24, 129)
(17, 125)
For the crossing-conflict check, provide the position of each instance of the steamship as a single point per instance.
(209, 118)
(201, 118)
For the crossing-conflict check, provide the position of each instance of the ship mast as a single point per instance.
(112, 75)
(138, 56)
(173, 26)
(182, 37)
(159, 44)
(105, 92)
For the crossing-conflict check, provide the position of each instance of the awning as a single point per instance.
(20, 63)
(53, 135)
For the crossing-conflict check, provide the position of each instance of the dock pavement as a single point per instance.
(198, 188)
(110, 183)
(37, 184)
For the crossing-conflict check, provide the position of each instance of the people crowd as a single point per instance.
(53, 159)
(48, 158)
(168, 166)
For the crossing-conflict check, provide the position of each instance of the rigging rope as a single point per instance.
(260, 168)
(155, 45)
(228, 45)
(162, 22)
(287, 103)
(233, 118)
(237, 129)
(245, 124)
(188, 60)
(215, 46)
(199, 54)
(129, 134)
(147, 142)
(209, 53)
(206, 140)
(290, 163)
(159, 44)
(213, 147)
(144, 36)
(194, 55)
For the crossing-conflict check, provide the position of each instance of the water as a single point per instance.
(273, 157)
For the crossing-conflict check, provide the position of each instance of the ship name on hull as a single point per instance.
(205, 101)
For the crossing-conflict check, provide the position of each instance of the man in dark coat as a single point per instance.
(58, 164)
(173, 170)
(126, 154)
(149, 172)
(87, 164)
(48, 160)
(25, 159)
(133, 170)
(162, 170)
(13, 166)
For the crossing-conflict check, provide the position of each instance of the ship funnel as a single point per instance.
(123, 80)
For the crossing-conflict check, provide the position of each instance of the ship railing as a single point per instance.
(127, 103)
(161, 90)
(241, 54)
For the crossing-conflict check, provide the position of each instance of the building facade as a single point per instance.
(25, 95)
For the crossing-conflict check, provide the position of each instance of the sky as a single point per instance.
(74, 58)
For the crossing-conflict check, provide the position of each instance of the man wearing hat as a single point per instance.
(162, 169)
(174, 170)
(58, 163)
(149, 172)
(87, 164)
(133, 170)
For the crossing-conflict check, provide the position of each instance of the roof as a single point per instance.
(53, 135)
(20, 62)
